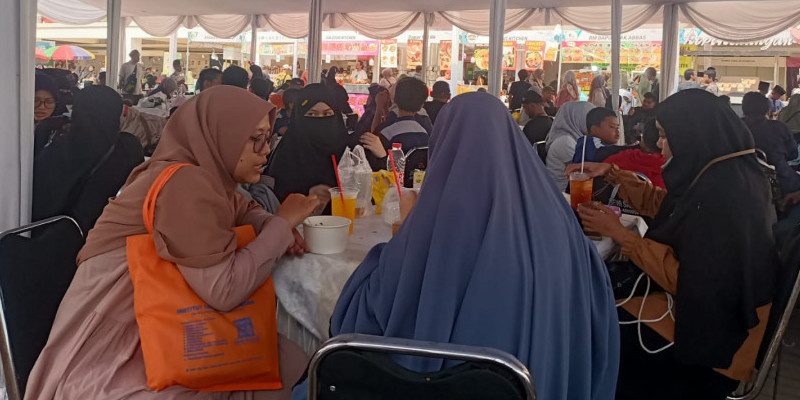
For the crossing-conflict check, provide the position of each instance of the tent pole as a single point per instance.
(254, 39)
(616, 36)
(173, 48)
(560, 66)
(294, 60)
(497, 20)
(669, 51)
(456, 61)
(16, 139)
(314, 57)
(425, 47)
(113, 41)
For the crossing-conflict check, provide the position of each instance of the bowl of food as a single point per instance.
(326, 234)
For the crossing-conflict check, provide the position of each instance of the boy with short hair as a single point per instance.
(539, 125)
(410, 97)
(603, 128)
(775, 103)
(646, 159)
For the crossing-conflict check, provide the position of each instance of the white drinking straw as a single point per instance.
(583, 154)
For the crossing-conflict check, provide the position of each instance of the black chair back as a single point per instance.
(541, 150)
(35, 273)
(362, 367)
(786, 296)
(415, 159)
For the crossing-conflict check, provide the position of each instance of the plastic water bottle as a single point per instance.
(399, 162)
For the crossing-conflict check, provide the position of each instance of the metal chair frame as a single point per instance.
(752, 392)
(409, 347)
(9, 370)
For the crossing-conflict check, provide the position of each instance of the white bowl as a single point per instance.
(326, 234)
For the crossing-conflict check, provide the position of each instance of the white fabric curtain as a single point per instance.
(669, 51)
(224, 26)
(160, 26)
(293, 26)
(596, 19)
(384, 25)
(742, 22)
(70, 11)
(477, 21)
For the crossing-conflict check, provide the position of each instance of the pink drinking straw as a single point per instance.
(338, 178)
(396, 177)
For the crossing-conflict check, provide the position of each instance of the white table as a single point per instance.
(308, 287)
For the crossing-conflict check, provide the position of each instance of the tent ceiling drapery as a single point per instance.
(381, 19)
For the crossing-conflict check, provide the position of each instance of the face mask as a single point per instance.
(326, 133)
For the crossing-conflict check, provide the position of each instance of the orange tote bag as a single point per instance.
(184, 340)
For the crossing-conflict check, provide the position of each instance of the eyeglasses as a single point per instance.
(259, 142)
(49, 103)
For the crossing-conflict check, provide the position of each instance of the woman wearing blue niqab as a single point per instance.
(491, 255)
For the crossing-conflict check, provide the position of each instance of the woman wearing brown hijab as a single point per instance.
(94, 351)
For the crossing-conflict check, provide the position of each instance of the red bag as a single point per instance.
(186, 342)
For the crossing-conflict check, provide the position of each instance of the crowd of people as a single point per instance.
(489, 253)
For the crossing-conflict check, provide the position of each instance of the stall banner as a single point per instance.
(266, 49)
(481, 56)
(509, 55)
(639, 54)
(551, 54)
(686, 62)
(414, 53)
(534, 55)
(389, 53)
(445, 54)
(366, 48)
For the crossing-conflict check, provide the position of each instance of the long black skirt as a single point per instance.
(660, 376)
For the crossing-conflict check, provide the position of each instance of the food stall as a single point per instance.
(344, 51)
(587, 54)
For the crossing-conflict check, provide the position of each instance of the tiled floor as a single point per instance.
(788, 370)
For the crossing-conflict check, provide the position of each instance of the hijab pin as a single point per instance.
(304, 103)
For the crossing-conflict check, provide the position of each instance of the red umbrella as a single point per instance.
(40, 56)
(69, 53)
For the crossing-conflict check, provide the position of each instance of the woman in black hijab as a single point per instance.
(365, 122)
(302, 162)
(256, 71)
(80, 170)
(49, 125)
(341, 97)
(710, 250)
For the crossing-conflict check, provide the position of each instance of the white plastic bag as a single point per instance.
(355, 172)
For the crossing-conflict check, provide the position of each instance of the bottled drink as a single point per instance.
(399, 161)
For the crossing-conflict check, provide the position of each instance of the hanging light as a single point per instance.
(472, 60)
(371, 62)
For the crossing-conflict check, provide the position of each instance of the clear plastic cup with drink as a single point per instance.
(580, 189)
(346, 209)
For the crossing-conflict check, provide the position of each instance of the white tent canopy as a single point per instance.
(726, 20)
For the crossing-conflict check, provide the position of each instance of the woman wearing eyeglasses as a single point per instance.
(45, 100)
(94, 349)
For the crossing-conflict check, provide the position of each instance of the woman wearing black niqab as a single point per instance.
(302, 160)
(710, 250)
(81, 170)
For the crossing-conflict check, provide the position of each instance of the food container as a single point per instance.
(326, 234)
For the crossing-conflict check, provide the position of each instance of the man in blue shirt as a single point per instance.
(775, 103)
